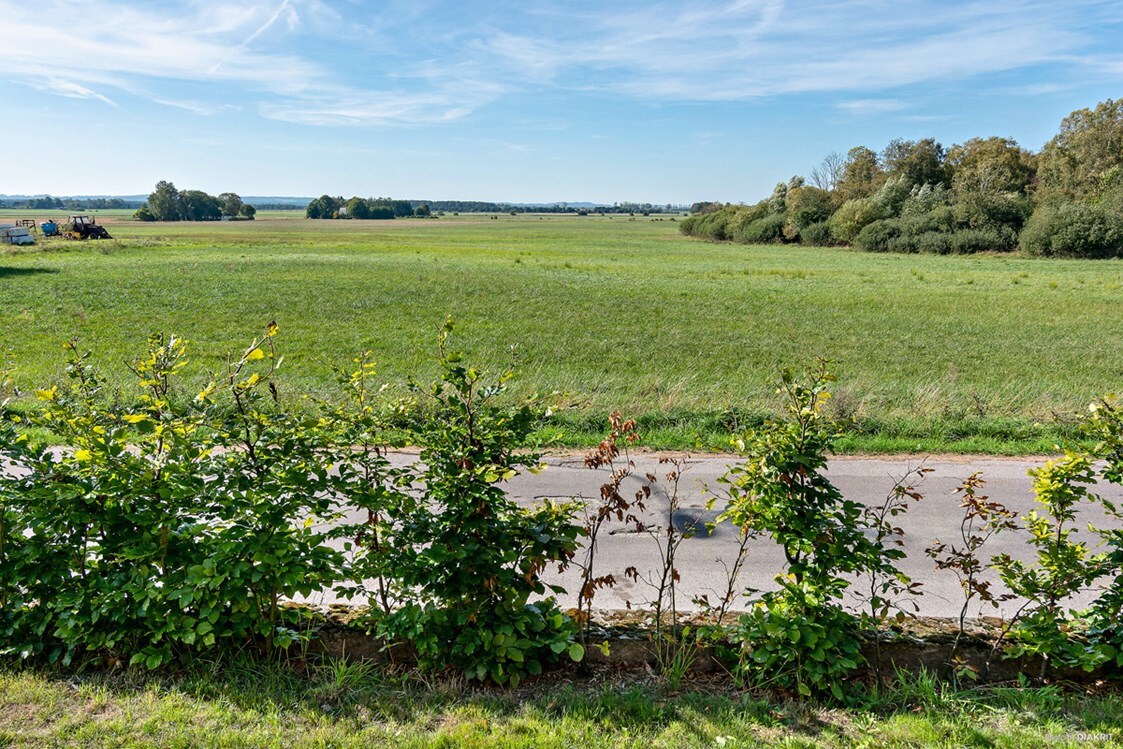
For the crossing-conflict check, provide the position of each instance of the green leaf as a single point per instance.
(576, 652)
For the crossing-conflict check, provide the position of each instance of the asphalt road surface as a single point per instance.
(702, 559)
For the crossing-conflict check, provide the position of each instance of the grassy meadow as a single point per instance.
(984, 353)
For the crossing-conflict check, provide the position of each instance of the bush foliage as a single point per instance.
(987, 194)
(172, 522)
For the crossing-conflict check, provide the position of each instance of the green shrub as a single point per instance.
(762, 231)
(799, 635)
(878, 236)
(469, 557)
(1074, 230)
(853, 216)
(1064, 566)
(1004, 213)
(966, 241)
(356, 431)
(1105, 619)
(170, 524)
(817, 234)
(939, 219)
(713, 225)
(743, 216)
(935, 242)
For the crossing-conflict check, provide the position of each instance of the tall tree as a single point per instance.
(920, 162)
(199, 206)
(808, 205)
(358, 208)
(324, 206)
(164, 202)
(1086, 156)
(991, 166)
(827, 174)
(861, 174)
(231, 203)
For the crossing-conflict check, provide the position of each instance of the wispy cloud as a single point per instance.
(119, 44)
(70, 90)
(293, 22)
(197, 107)
(871, 107)
(339, 62)
(754, 48)
(345, 108)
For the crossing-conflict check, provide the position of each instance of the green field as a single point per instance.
(986, 353)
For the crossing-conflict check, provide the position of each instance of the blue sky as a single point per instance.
(522, 101)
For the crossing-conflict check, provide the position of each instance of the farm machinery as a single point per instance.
(83, 227)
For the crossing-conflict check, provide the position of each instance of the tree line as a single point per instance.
(166, 203)
(327, 206)
(47, 202)
(918, 196)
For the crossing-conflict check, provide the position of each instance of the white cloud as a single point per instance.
(869, 107)
(117, 44)
(341, 62)
(70, 90)
(757, 48)
(293, 22)
(197, 107)
(346, 108)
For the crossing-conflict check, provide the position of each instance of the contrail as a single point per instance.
(249, 39)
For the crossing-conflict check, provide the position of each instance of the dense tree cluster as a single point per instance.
(326, 206)
(917, 196)
(166, 203)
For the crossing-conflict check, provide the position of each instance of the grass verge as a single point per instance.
(243, 703)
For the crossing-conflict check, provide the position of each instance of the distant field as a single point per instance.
(983, 353)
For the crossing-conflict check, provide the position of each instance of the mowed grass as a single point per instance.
(251, 704)
(988, 353)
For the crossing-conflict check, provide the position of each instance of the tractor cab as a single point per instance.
(84, 227)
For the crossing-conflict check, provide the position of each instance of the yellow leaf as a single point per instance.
(255, 355)
(83, 455)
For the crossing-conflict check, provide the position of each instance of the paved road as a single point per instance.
(867, 480)
(863, 479)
